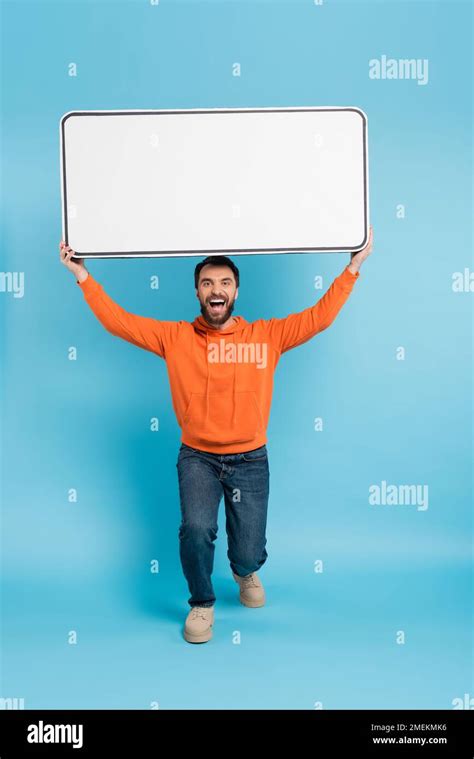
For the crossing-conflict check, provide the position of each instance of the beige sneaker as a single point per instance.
(198, 625)
(251, 590)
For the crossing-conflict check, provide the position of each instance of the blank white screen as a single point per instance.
(192, 182)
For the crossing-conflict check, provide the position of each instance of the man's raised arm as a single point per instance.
(296, 329)
(143, 331)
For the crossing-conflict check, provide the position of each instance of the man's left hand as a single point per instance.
(358, 258)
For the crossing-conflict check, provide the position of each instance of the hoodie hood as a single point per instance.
(202, 327)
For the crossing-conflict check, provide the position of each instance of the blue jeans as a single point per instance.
(243, 480)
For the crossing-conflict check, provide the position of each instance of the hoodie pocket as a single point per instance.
(221, 421)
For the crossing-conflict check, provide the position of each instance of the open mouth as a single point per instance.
(216, 305)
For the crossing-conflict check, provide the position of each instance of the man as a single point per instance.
(220, 369)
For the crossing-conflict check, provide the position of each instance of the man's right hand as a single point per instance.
(77, 267)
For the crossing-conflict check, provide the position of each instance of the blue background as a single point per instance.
(325, 637)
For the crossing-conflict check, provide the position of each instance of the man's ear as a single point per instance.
(236, 294)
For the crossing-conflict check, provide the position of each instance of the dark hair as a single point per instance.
(215, 261)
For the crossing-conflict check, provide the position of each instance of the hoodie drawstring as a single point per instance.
(208, 382)
(233, 388)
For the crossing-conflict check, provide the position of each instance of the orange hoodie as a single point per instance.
(221, 380)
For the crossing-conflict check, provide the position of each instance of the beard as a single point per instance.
(215, 320)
